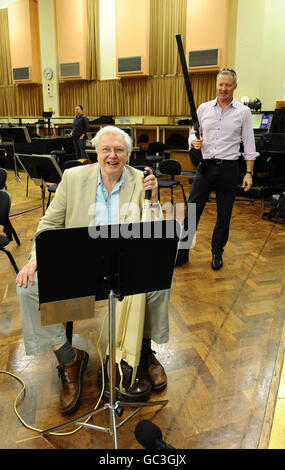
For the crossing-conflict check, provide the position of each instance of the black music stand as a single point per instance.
(47, 115)
(43, 168)
(108, 263)
(18, 134)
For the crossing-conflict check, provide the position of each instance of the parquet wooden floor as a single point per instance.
(223, 358)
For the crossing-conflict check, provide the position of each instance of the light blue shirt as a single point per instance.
(222, 131)
(107, 205)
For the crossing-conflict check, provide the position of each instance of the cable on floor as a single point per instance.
(23, 390)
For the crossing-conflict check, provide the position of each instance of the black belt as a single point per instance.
(217, 161)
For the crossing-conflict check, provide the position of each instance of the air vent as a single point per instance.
(130, 64)
(21, 74)
(203, 58)
(70, 70)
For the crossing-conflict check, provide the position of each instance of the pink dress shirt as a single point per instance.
(223, 131)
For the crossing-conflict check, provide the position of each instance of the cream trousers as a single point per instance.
(37, 337)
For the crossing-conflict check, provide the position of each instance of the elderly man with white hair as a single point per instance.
(106, 185)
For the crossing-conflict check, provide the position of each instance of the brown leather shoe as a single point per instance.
(71, 376)
(138, 392)
(154, 370)
(141, 386)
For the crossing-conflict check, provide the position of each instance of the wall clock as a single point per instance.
(48, 73)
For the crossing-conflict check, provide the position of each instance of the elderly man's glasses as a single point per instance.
(117, 150)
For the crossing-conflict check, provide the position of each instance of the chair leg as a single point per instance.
(27, 187)
(48, 203)
(14, 234)
(184, 197)
(11, 259)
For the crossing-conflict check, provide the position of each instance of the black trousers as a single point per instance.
(222, 177)
(79, 147)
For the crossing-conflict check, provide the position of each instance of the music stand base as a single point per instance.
(16, 177)
(113, 409)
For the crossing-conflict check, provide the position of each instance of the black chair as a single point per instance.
(3, 178)
(57, 154)
(172, 168)
(53, 187)
(5, 205)
(42, 122)
(143, 139)
(155, 154)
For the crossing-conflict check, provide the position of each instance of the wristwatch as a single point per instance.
(250, 172)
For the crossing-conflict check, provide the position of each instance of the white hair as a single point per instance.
(113, 130)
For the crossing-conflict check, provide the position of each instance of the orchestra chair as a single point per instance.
(142, 141)
(3, 178)
(53, 187)
(171, 168)
(42, 122)
(59, 155)
(155, 154)
(5, 205)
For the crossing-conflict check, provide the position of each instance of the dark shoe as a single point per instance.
(71, 376)
(154, 370)
(138, 392)
(217, 262)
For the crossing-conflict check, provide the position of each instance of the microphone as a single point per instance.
(149, 436)
(148, 191)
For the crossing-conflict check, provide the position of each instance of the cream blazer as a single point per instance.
(75, 197)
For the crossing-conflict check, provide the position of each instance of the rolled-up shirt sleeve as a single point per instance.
(248, 139)
(191, 136)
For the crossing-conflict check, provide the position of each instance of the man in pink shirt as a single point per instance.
(224, 123)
